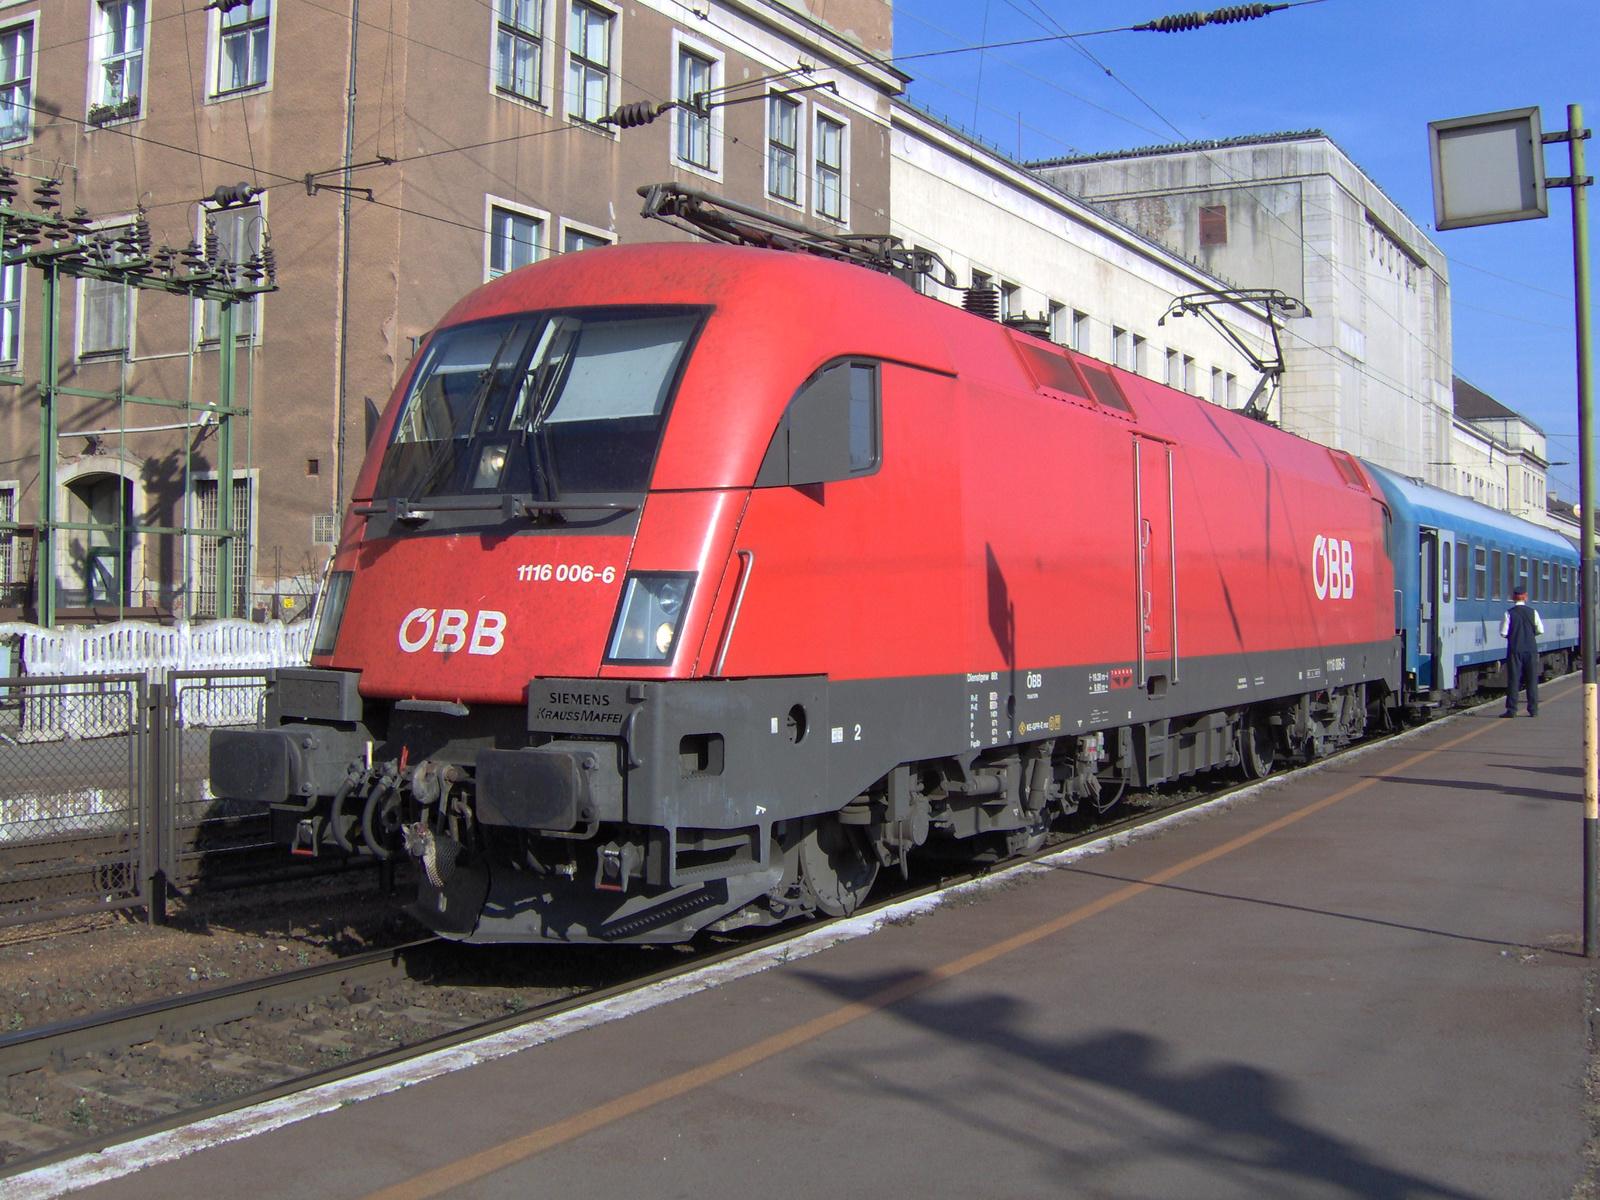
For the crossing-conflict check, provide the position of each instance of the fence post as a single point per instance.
(156, 806)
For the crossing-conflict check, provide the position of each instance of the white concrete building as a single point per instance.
(1369, 370)
(1499, 457)
(1101, 286)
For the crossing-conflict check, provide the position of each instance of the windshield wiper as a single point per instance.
(510, 507)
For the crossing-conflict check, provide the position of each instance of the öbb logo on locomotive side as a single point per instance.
(447, 630)
(1333, 569)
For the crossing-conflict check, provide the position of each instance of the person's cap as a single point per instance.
(1520, 593)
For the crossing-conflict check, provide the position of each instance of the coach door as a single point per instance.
(1428, 610)
(1157, 577)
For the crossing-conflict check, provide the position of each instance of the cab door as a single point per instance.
(1157, 589)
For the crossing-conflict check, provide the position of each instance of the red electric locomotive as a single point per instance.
(691, 586)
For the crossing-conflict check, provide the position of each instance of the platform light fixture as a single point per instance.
(1487, 170)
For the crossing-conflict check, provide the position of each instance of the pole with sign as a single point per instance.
(1488, 169)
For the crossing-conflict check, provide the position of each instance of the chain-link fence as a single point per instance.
(105, 796)
(209, 841)
(74, 766)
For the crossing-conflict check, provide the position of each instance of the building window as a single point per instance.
(207, 517)
(8, 540)
(1219, 391)
(694, 120)
(589, 71)
(830, 168)
(1059, 323)
(783, 148)
(1233, 390)
(1080, 332)
(1137, 363)
(119, 51)
(1188, 375)
(519, 48)
(1174, 375)
(238, 241)
(11, 314)
(243, 35)
(1010, 301)
(106, 306)
(1119, 347)
(515, 240)
(574, 240)
(1213, 224)
(16, 83)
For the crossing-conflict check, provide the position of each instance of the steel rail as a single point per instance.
(63, 1041)
(85, 1030)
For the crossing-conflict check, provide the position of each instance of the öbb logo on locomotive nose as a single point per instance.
(1333, 569)
(447, 630)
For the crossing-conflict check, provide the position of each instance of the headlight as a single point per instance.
(331, 614)
(646, 628)
(491, 466)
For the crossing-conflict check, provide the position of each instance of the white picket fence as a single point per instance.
(82, 710)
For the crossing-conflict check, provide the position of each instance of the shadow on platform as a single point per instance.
(1127, 1118)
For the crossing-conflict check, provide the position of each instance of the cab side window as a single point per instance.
(830, 431)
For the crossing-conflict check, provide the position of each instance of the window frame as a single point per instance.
(592, 231)
(1480, 572)
(123, 353)
(798, 200)
(1080, 332)
(94, 95)
(251, 477)
(819, 116)
(19, 271)
(684, 46)
(30, 20)
(569, 56)
(243, 334)
(545, 82)
(539, 216)
(214, 36)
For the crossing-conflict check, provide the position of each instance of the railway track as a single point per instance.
(222, 1050)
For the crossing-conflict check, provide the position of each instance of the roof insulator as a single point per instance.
(982, 302)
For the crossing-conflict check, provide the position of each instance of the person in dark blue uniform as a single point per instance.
(1521, 628)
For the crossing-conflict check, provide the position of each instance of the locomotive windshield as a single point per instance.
(539, 404)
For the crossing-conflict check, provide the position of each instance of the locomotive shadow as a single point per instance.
(1116, 1102)
(1564, 772)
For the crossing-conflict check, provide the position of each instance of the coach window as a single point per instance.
(1523, 577)
(1496, 574)
(830, 430)
(1463, 571)
(1480, 573)
(1544, 582)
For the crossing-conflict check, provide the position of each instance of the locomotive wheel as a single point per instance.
(1256, 751)
(835, 868)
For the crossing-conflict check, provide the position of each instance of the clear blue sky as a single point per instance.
(1372, 74)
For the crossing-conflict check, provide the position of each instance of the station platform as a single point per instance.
(1364, 980)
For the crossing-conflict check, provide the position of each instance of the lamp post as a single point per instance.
(1488, 169)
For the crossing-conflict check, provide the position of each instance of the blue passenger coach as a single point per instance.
(1456, 563)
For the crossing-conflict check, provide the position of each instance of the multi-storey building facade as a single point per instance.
(1066, 268)
(397, 157)
(1369, 369)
